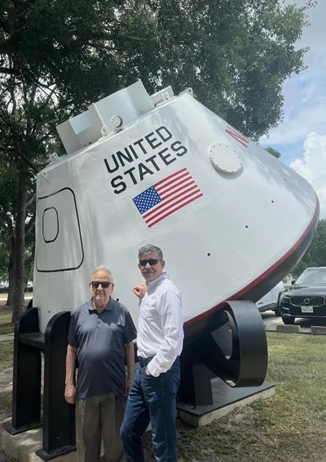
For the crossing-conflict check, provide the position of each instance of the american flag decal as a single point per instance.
(239, 137)
(167, 196)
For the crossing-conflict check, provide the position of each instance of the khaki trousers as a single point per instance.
(99, 418)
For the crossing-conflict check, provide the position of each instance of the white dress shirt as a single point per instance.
(160, 325)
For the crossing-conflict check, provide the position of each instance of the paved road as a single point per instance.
(271, 321)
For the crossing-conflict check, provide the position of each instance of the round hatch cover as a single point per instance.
(224, 158)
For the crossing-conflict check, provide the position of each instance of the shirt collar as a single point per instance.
(108, 307)
(157, 281)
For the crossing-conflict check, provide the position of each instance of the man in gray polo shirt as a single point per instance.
(101, 336)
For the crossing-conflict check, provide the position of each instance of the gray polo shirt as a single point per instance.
(100, 339)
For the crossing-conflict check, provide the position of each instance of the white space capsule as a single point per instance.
(231, 219)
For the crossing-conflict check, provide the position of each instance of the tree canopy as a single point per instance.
(316, 253)
(58, 56)
(274, 152)
(235, 55)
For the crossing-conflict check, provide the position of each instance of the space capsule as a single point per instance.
(231, 219)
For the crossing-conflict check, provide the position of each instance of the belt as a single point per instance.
(144, 361)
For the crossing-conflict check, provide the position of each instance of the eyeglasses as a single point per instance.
(96, 284)
(151, 261)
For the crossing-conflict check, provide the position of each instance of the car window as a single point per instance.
(313, 276)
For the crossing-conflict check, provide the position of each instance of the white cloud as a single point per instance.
(304, 94)
(312, 166)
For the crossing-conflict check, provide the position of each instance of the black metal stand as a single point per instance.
(58, 415)
(236, 352)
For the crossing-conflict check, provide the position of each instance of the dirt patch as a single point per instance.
(5, 309)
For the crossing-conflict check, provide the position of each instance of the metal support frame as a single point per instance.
(26, 402)
(58, 415)
(236, 352)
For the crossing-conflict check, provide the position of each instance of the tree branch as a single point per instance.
(14, 102)
(4, 26)
(30, 259)
(5, 70)
(46, 102)
(6, 149)
(28, 162)
(9, 47)
(30, 201)
(30, 225)
(44, 137)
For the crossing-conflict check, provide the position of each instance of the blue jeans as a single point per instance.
(152, 399)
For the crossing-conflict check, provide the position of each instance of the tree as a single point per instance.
(316, 253)
(25, 131)
(274, 152)
(58, 57)
(235, 55)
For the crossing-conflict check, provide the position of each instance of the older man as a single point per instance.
(101, 336)
(152, 397)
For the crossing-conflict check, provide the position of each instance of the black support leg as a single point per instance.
(26, 400)
(236, 352)
(59, 416)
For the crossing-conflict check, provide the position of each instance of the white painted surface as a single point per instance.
(269, 301)
(240, 226)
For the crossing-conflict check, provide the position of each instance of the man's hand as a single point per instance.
(147, 372)
(140, 290)
(70, 393)
(129, 382)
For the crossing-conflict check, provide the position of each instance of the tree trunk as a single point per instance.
(19, 252)
(10, 298)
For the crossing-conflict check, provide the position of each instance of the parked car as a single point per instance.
(306, 297)
(270, 301)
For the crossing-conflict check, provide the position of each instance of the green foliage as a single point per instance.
(57, 57)
(316, 253)
(6, 354)
(235, 55)
(8, 187)
(4, 262)
(9, 174)
(274, 152)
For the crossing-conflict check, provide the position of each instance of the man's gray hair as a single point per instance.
(105, 269)
(149, 248)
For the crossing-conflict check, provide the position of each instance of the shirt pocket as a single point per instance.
(148, 309)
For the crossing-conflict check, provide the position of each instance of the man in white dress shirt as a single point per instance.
(152, 398)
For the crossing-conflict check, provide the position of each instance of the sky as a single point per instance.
(301, 136)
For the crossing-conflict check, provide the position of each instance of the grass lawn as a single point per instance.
(6, 327)
(290, 426)
(6, 355)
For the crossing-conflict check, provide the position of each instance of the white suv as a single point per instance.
(270, 300)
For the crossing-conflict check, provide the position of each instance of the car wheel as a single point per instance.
(277, 310)
(288, 320)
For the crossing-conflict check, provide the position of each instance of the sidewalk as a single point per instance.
(4, 297)
(6, 337)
